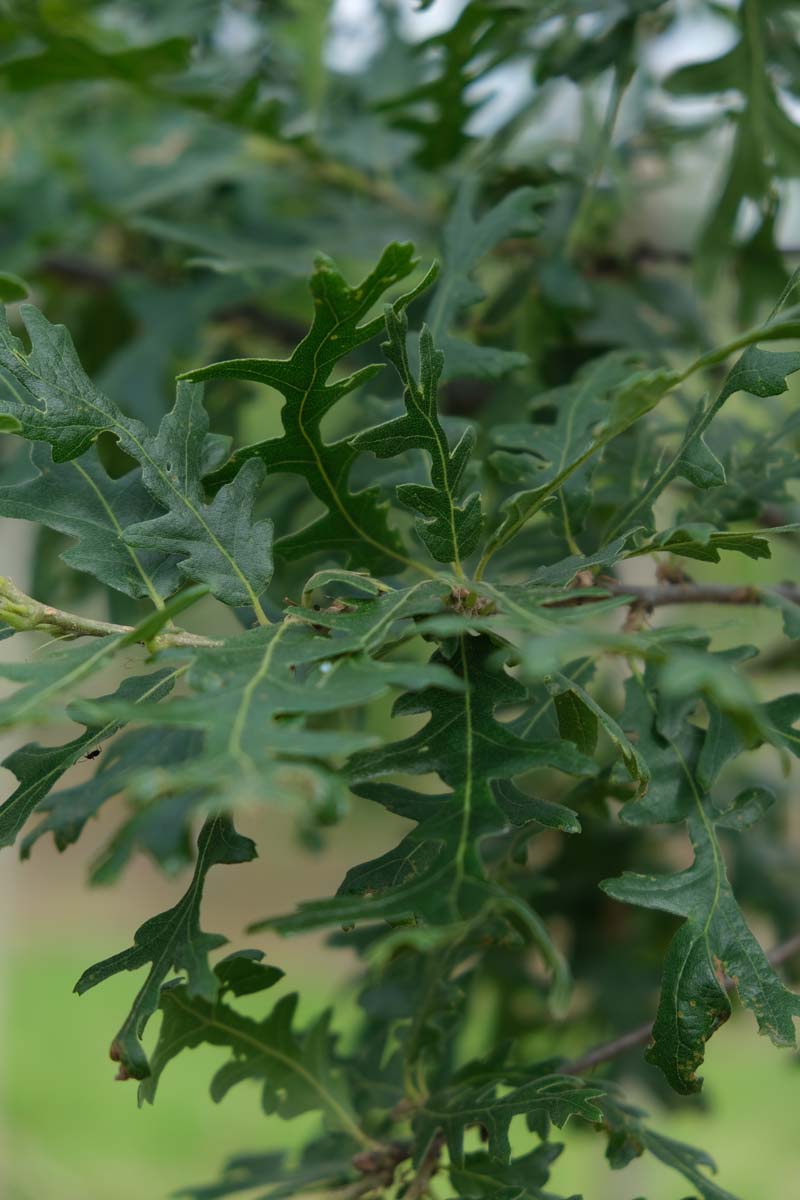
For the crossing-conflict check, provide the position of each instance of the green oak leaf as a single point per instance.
(483, 1177)
(766, 143)
(625, 397)
(479, 1101)
(466, 242)
(58, 402)
(12, 288)
(324, 1163)
(714, 941)
(579, 715)
(219, 543)
(700, 465)
(437, 106)
(629, 1137)
(703, 541)
(789, 610)
(449, 530)
(80, 499)
(162, 830)
(532, 454)
(436, 874)
(38, 768)
(354, 522)
(255, 698)
(761, 373)
(171, 940)
(297, 1072)
(71, 59)
(43, 679)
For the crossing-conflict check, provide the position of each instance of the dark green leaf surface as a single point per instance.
(251, 698)
(170, 941)
(436, 874)
(714, 941)
(219, 543)
(629, 1137)
(39, 768)
(69, 59)
(297, 1072)
(466, 1103)
(354, 522)
(449, 530)
(80, 499)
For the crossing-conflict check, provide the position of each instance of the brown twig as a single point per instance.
(659, 594)
(426, 1170)
(607, 1051)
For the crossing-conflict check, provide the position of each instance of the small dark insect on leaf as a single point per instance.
(92, 753)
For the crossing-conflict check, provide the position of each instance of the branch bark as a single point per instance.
(656, 595)
(427, 1169)
(23, 613)
(607, 1051)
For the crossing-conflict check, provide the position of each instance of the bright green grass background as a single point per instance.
(72, 1133)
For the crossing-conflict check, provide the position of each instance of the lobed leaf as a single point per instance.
(449, 530)
(171, 940)
(354, 523)
(218, 543)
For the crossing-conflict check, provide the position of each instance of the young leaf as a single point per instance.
(579, 715)
(43, 679)
(325, 1163)
(466, 1103)
(627, 401)
(766, 141)
(532, 455)
(702, 541)
(438, 106)
(482, 1177)
(629, 1137)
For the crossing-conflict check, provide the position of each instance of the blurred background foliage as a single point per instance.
(169, 172)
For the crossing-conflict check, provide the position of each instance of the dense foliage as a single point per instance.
(502, 461)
